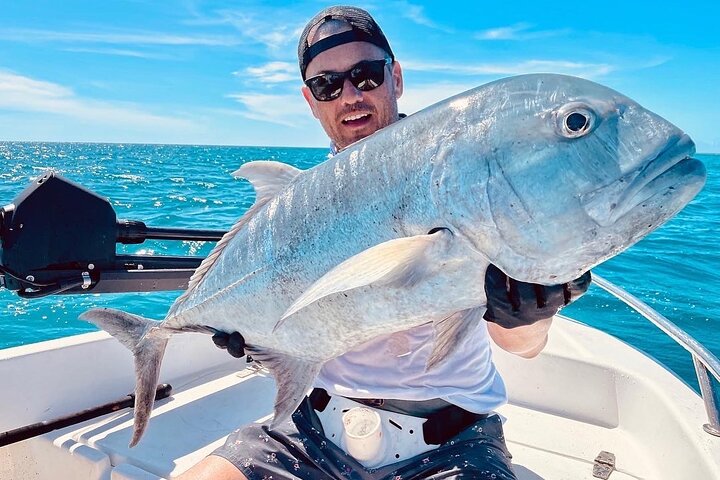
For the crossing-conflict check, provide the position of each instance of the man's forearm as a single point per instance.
(526, 341)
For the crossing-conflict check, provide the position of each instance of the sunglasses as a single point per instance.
(366, 75)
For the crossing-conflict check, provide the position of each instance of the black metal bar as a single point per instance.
(29, 431)
(158, 233)
(128, 273)
(134, 231)
(139, 281)
(157, 262)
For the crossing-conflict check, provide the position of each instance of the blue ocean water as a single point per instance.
(676, 269)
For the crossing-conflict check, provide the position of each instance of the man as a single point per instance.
(352, 83)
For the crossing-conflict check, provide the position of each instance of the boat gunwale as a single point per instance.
(703, 360)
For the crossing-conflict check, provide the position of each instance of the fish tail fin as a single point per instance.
(147, 342)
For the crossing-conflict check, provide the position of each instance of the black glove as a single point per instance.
(511, 303)
(234, 343)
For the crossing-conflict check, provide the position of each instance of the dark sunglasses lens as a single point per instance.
(368, 76)
(327, 87)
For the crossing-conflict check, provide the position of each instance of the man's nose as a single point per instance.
(350, 93)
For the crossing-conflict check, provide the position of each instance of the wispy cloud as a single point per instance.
(582, 69)
(256, 26)
(285, 109)
(416, 14)
(120, 52)
(273, 72)
(117, 38)
(518, 31)
(25, 94)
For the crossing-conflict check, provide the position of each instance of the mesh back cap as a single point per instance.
(363, 28)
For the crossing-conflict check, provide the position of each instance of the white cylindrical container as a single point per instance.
(363, 435)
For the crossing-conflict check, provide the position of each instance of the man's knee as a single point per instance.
(213, 468)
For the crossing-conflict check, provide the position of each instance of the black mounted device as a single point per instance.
(58, 237)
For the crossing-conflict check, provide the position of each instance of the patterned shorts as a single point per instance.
(297, 449)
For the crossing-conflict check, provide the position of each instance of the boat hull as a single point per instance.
(585, 393)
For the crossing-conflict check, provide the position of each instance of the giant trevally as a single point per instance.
(543, 175)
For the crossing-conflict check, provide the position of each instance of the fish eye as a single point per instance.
(575, 120)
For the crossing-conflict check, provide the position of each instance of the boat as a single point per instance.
(589, 406)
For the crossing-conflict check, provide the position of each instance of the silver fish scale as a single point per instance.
(370, 193)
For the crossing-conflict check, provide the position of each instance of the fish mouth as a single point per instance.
(662, 165)
(672, 169)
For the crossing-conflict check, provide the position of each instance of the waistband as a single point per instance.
(444, 419)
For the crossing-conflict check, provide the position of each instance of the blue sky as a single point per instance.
(218, 72)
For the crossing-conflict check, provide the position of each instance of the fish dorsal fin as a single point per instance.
(268, 178)
(400, 262)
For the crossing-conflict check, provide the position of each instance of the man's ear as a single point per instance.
(309, 99)
(397, 79)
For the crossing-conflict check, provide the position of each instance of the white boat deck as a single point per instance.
(586, 393)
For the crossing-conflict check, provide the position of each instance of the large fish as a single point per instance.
(544, 176)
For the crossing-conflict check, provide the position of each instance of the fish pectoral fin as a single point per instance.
(400, 262)
(294, 377)
(452, 331)
(267, 177)
(147, 342)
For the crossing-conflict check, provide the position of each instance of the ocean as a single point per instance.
(676, 269)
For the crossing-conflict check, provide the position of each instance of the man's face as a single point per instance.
(355, 114)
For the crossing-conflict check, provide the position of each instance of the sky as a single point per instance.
(225, 73)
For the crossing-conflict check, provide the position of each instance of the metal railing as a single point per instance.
(705, 362)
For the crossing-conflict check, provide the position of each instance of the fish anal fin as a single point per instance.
(450, 332)
(293, 377)
(401, 262)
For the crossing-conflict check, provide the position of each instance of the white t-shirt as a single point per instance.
(393, 367)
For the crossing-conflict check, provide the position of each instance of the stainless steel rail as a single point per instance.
(705, 362)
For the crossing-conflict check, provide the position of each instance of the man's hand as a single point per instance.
(512, 304)
(234, 343)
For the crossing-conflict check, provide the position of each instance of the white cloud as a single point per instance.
(119, 52)
(273, 72)
(416, 13)
(268, 27)
(519, 31)
(120, 38)
(581, 69)
(287, 109)
(25, 94)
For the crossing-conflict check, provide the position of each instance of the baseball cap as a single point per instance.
(363, 28)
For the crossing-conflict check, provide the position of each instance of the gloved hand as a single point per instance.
(511, 303)
(234, 343)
